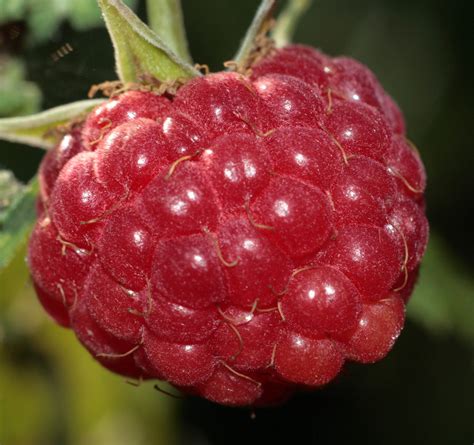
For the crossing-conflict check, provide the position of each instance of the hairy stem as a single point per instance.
(288, 20)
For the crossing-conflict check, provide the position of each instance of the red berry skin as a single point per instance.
(118, 110)
(369, 256)
(53, 306)
(256, 268)
(239, 167)
(223, 103)
(249, 345)
(115, 309)
(182, 203)
(113, 353)
(363, 193)
(54, 161)
(360, 129)
(79, 201)
(412, 225)
(230, 388)
(321, 301)
(126, 247)
(131, 155)
(391, 112)
(307, 154)
(60, 278)
(353, 81)
(174, 322)
(290, 100)
(181, 134)
(187, 271)
(182, 365)
(379, 327)
(307, 361)
(301, 62)
(297, 216)
(241, 239)
(405, 164)
(350, 80)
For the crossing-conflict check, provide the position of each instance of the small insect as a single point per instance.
(62, 52)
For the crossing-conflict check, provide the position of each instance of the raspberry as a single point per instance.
(241, 239)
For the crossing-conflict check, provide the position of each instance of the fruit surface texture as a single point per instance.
(241, 239)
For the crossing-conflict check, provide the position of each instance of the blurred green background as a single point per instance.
(53, 393)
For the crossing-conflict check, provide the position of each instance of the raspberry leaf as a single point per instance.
(166, 19)
(17, 216)
(259, 26)
(9, 188)
(44, 17)
(37, 129)
(140, 52)
(17, 95)
(287, 21)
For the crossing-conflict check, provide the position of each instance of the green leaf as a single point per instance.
(36, 129)
(10, 187)
(17, 96)
(44, 17)
(138, 50)
(166, 19)
(259, 26)
(286, 23)
(443, 301)
(16, 222)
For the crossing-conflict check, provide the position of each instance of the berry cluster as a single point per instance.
(241, 239)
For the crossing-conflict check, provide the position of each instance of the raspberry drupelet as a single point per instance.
(241, 239)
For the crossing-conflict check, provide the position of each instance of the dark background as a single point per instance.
(422, 52)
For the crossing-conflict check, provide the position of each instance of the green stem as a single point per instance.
(165, 17)
(261, 18)
(287, 21)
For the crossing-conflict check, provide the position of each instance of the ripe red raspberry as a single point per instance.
(241, 239)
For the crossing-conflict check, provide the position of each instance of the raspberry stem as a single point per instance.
(288, 20)
(254, 39)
